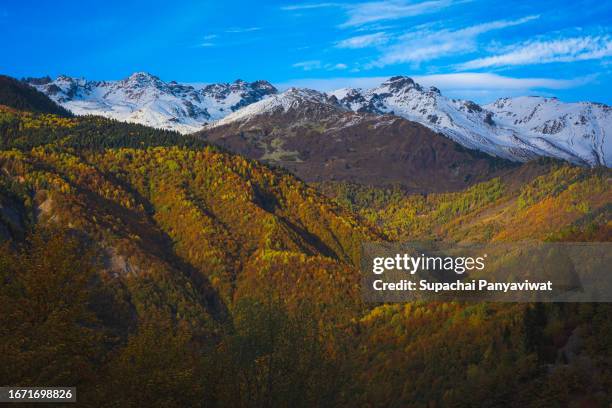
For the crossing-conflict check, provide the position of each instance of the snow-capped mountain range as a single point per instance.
(146, 99)
(518, 129)
(514, 128)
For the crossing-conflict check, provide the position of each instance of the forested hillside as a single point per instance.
(21, 95)
(542, 200)
(151, 269)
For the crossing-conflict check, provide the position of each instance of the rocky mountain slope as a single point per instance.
(146, 99)
(319, 139)
(581, 129)
(514, 128)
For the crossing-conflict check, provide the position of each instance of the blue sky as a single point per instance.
(477, 49)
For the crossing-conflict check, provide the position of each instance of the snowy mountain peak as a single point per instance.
(143, 79)
(303, 103)
(305, 94)
(142, 75)
(64, 78)
(239, 87)
(435, 90)
(401, 83)
(264, 86)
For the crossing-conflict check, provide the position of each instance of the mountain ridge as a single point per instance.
(518, 129)
(573, 132)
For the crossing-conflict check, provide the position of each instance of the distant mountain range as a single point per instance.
(144, 98)
(518, 129)
(514, 128)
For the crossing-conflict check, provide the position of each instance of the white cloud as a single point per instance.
(210, 37)
(338, 66)
(308, 65)
(316, 64)
(542, 52)
(206, 44)
(426, 44)
(309, 6)
(365, 13)
(373, 11)
(239, 30)
(363, 41)
(375, 27)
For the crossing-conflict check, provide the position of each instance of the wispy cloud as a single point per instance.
(542, 52)
(424, 45)
(308, 65)
(370, 12)
(374, 11)
(207, 41)
(316, 64)
(238, 30)
(309, 6)
(363, 41)
(335, 67)
(375, 27)
(226, 37)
